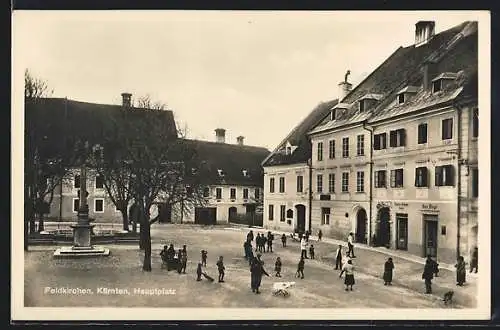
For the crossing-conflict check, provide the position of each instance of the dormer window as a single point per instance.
(221, 173)
(361, 106)
(401, 98)
(245, 173)
(436, 86)
(288, 150)
(333, 114)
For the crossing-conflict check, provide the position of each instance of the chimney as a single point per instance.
(220, 135)
(428, 74)
(344, 87)
(126, 100)
(424, 31)
(240, 140)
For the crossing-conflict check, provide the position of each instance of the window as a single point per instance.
(282, 185)
(271, 185)
(381, 179)
(436, 86)
(421, 175)
(331, 149)
(345, 147)
(360, 145)
(333, 114)
(99, 181)
(397, 138)
(345, 182)
(282, 213)
(257, 193)
(300, 183)
(397, 178)
(245, 193)
(444, 175)
(206, 192)
(218, 193)
(422, 133)
(99, 205)
(475, 123)
(360, 181)
(271, 212)
(475, 183)
(401, 98)
(447, 129)
(76, 181)
(361, 106)
(325, 216)
(331, 183)
(380, 141)
(233, 193)
(320, 151)
(76, 204)
(288, 150)
(319, 183)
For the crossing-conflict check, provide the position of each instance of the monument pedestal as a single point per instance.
(81, 244)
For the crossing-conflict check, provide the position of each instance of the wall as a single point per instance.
(290, 198)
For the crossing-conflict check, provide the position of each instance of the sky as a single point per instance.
(255, 74)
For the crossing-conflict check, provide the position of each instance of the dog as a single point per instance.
(281, 288)
(448, 297)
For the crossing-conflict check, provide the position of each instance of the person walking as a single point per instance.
(428, 275)
(204, 255)
(277, 267)
(256, 272)
(338, 258)
(300, 268)
(348, 269)
(184, 259)
(303, 248)
(350, 245)
(283, 240)
(320, 235)
(270, 238)
(250, 236)
(221, 268)
(460, 266)
(198, 272)
(388, 267)
(474, 260)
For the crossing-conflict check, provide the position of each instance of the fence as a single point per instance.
(247, 219)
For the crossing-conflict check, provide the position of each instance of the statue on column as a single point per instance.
(346, 75)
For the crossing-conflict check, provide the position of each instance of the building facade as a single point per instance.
(287, 175)
(395, 162)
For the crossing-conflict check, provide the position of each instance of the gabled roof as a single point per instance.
(298, 137)
(392, 75)
(232, 159)
(409, 89)
(446, 75)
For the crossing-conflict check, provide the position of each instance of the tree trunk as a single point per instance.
(145, 229)
(125, 219)
(41, 226)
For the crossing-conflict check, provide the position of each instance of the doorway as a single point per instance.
(301, 218)
(205, 215)
(383, 237)
(361, 224)
(430, 235)
(232, 213)
(402, 231)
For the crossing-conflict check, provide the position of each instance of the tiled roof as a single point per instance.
(298, 138)
(86, 120)
(395, 73)
(232, 159)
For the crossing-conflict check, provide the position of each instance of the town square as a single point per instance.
(247, 160)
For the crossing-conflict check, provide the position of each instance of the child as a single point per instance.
(388, 267)
(311, 251)
(348, 269)
(460, 266)
(300, 268)
(198, 272)
(221, 268)
(283, 240)
(277, 267)
(204, 258)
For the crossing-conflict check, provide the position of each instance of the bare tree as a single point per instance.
(35, 87)
(145, 102)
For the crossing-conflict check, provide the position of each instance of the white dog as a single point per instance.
(281, 288)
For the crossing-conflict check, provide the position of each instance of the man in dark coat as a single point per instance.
(270, 238)
(428, 274)
(256, 272)
(388, 267)
(250, 236)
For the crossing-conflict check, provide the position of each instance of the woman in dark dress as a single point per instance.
(460, 266)
(256, 272)
(388, 267)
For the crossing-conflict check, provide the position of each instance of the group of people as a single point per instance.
(174, 260)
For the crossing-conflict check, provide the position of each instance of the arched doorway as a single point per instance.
(232, 213)
(300, 210)
(383, 233)
(361, 224)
